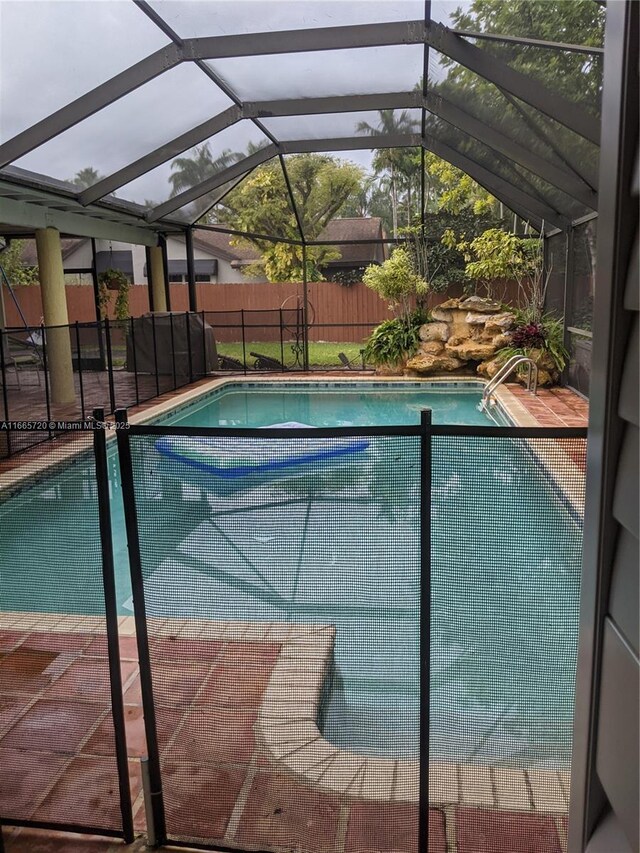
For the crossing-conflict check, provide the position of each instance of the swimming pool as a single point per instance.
(334, 404)
(505, 595)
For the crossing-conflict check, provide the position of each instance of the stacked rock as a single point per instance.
(464, 333)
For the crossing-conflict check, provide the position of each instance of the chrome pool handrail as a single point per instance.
(505, 371)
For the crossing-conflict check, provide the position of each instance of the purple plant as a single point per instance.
(530, 336)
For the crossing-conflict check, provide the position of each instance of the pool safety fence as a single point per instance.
(117, 364)
(347, 638)
(343, 629)
(63, 758)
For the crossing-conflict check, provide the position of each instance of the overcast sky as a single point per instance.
(52, 51)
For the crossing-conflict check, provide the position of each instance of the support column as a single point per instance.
(191, 270)
(162, 240)
(156, 278)
(54, 307)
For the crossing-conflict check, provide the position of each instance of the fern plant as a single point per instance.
(393, 341)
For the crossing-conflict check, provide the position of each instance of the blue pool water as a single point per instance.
(334, 405)
(505, 570)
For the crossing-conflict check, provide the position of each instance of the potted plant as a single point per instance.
(113, 279)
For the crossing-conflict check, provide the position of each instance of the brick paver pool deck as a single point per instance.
(221, 782)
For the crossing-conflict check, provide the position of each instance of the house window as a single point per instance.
(177, 279)
(203, 277)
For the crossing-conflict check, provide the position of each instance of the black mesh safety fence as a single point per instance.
(330, 623)
(63, 760)
(24, 386)
(264, 340)
(280, 575)
(506, 535)
(333, 624)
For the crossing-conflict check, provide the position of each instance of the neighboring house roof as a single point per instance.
(69, 245)
(356, 228)
(353, 228)
(219, 244)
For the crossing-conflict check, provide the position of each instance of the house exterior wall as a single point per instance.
(605, 789)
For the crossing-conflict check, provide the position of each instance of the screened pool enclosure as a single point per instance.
(378, 652)
(223, 88)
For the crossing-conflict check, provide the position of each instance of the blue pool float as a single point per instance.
(238, 459)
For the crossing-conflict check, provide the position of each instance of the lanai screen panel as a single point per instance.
(138, 126)
(51, 53)
(348, 124)
(129, 128)
(240, 207)
(198, 164)
(350, 71)
(218, 17)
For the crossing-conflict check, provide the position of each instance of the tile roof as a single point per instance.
(69, 245)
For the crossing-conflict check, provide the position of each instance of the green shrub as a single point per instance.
(396, 280)
(546, 335)
(393, 341)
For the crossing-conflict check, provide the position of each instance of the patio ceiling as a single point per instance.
(148, 82)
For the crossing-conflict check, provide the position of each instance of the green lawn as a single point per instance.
(320, 354)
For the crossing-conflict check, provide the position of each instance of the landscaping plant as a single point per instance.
(399, 283)
(393, 341)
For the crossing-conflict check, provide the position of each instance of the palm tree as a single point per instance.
(190, 171)
(86, 177)
(391, 160)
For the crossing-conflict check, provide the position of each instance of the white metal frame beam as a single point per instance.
(33, 210)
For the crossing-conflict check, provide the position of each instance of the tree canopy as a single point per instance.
(577, 76)
(401, 166)
(15, 270)
(86, 177)
(320, 185)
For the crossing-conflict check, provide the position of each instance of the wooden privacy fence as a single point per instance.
(337, 313)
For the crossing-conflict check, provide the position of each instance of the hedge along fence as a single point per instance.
(332, 305)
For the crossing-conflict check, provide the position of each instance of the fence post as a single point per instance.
(140, 615)
(135, 359)
(80, 369)
(173, 350)
(425, 625)
(112, 390)
(5, 394)
(204, 347)
(47, 397)
(111, 611)
(244, 344)
(305, 311)
(281, 339)
(155, 353)
(187, 319)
